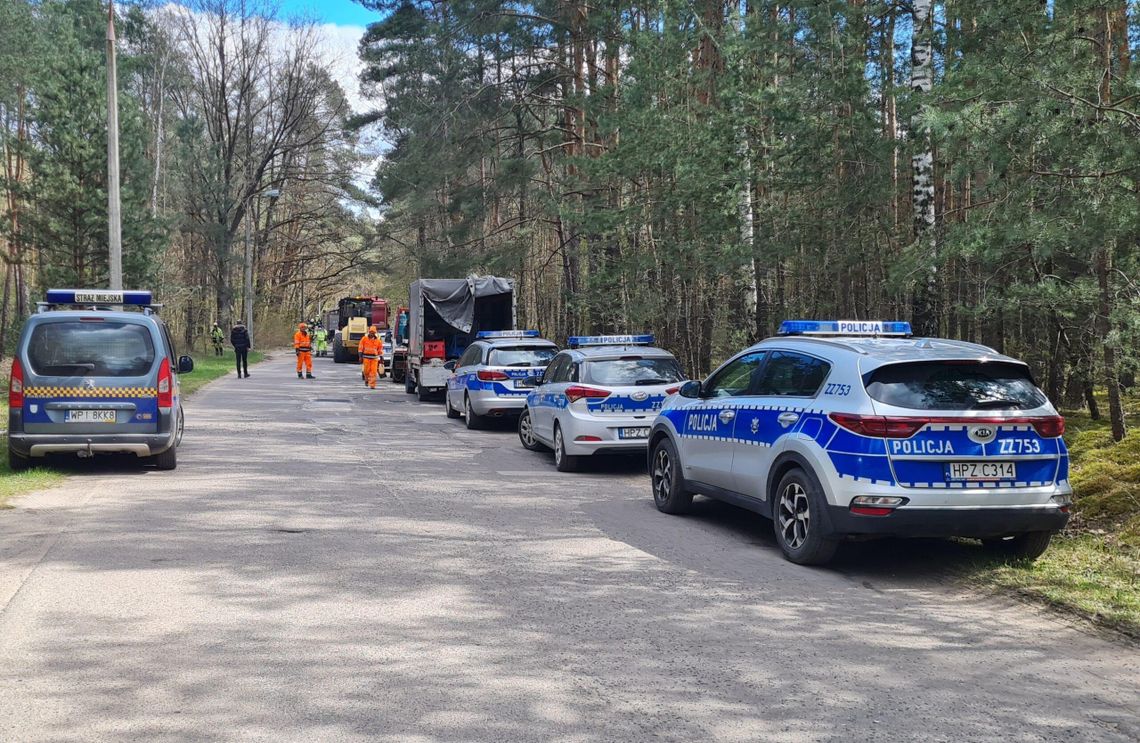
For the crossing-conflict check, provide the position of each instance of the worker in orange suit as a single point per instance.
(371, 355)
(303, 345)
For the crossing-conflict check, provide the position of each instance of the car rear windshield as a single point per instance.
(955, 385)
(632, 370)
(75, 348)
(533, 356)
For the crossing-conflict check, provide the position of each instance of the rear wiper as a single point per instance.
(987, 404)
(647, 382)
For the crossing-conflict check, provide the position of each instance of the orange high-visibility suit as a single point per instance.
(303, 345)
(372, 357)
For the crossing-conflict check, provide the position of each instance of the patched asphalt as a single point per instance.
(335, 563)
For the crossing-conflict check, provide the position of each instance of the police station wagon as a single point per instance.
(853, 429)
(489, 379)
(598, 397)
(91, 380)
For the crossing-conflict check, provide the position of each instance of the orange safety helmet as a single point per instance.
(372, 329)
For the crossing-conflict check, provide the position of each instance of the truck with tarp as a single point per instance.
(443, 317)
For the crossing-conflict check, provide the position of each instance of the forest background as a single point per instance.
(700, 169)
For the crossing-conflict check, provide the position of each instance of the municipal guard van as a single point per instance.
(95, 372)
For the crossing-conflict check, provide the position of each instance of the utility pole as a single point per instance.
(114, 213)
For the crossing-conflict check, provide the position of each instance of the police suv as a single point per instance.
(598, 397)
(90, 379)
(853, 429)
(490, 378)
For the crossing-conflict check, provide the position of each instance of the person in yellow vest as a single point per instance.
(303, 345)
(371, 355)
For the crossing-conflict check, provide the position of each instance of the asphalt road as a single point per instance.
(334, 563)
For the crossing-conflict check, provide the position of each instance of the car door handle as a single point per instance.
(727, 415)
(787, 419)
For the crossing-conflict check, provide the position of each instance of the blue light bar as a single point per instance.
(844, 327)
(507, 334)
(577, 341)
(98, 296)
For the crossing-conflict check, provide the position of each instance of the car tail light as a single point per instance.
(673, 390)
(165, 385)
(902, 427)
(1049, 427)
(16, 385)
(880, 425)
(491, 376)
(577, 392)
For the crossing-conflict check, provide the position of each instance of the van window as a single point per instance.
(102, 348)
(955, 385)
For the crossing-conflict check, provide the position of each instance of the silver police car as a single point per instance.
(95, 378)
(490, 379)
(598, 397)
(839, 429)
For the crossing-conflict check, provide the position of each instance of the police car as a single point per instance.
(90, 379)
(853, 429)
(490, 378)
(598, 397)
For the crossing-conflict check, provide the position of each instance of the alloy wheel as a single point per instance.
(526, 430)
(558, 447)
(794, 515)
(662, 475)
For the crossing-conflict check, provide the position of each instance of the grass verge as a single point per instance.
(206, 369)
(1093, 568)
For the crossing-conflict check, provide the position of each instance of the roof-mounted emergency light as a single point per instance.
(507, 334)
(577, 341)
(845, 327)
(99, 296)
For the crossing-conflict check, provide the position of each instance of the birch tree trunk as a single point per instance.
(922, 166)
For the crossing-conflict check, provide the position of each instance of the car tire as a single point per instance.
(669, 492)
(1027, 546)
(18, 462)
(166, 460)
(181, 427)
(797, 517)
(563, 461)
(529, 441)
(471, 419)
(451, 412)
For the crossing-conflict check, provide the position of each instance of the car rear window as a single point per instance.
(632, 370)
(534, 356)
(956, 385)
(101, 349)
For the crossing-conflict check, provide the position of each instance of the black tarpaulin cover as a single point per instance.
(454, 299)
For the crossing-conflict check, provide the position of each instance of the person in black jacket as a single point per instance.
(239, 339)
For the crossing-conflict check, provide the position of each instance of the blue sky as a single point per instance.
(340, 12)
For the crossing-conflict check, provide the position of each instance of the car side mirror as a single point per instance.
(185, 364)
(450, 365)
(530, 382)
(690, 389)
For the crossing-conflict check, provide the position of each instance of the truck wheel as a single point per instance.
(797, 517)
(167, 460)
(18, 462)
(409, 383)
(1022, 547)
(669, 493)
(471, 419)
(563, 461)
(422, 394)
(339, 355)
